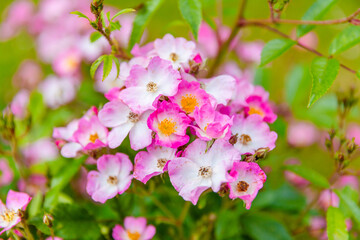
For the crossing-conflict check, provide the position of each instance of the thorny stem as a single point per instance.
(273, 20)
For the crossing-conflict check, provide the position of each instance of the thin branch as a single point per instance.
(300, 22)
(272, 14)
(314, 51)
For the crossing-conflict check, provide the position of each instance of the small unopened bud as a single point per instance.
(351, 146)
(224, 190)
(261, 153)
(153, 134)
(21, 213)
(328, 143)
(339, 157)
(250, 158)
(233, 139)
(48, 220)
(332, 133)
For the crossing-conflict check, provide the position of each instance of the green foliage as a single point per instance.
(107, 61)
(59, 181)
(227, 225)
(37, 108)
(141, 20)
(315, 12)
(346, 39)
(350, 203)
(126, 10)
(309, 174)
(274, 49)
(95, 36)
(323, 73)
(81, 15)
(74, 222)
(260, 227)
(296, 85)
(192, 13)
(336, 227)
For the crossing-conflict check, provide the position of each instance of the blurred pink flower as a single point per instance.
(41, 150)
(33, 184)
(353, 131)
(293, 178)
(67, 63)
(135, 229)
(250, 51)
(20, 103)
(302, 134)
(28, 75)
(328, 198)
(6, 173)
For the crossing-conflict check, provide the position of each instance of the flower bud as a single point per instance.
(351, 146)
(339, 157)
(48, 220)
(233, 139)
(261, 153)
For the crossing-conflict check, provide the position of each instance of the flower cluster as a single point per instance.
(199, 130)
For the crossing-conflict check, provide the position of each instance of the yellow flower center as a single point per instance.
(188, 103)
(71, 63)
(133, 236)
(255, 110)
(93, 137)
(167, 127)
(113, 180)
(242, 186)
(244, 139)
(174, 57)
(151, 87)
(8, 215)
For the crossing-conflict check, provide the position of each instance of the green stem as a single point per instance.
(28, 234)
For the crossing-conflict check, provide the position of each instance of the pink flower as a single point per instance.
(293, 178)
(248, 179)
(220, 87)
(125, 67)
(117, 115)
(113, 177)
(245, 90)
(28, 74)
(153, 162)
(177, 50)
(135, 228)
(211, 124)
(252, 133)
(39, 151)
(6, 173)
(57, 91)
(198, 169)
(190, 96)
(159, 78)
(91, 134)
(255, 105)
(9, 215)
(328, 198)
(170, 125)
(68, 63)
(250, 51)
(347, 180)
(33, 184)
(19, 104)
(208, 43)
(302, 134)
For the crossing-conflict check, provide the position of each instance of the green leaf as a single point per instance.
(315, 12)
(107, 66)
(141, 20)
(95, 36)
(37, 107)
(39, 224)
(348, 38)
(274, 49)
(358, 74)
(117, 64)
(323, 73)
(227, 225)
(81, 15)
(351, 204)
(126, 10)
(260, 227)
(61, 180)
(192, 13)
(74, 222)
(35, 204)
(108, 17)
(309, 174)
(95, 65)
(115, 26)
(336, 226)
(296, 86)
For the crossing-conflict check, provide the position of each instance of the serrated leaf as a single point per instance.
(323, 73)
(348, 38)
(309, 174)
(274, 49)
(95, 36)
(79, 14)
(108, 17)
(335, 225)
(74, 222)
(117, 64)
(126, 10)
(107, 66)
(192, 13)
(350, 204)
(315, 12)
(61, 180)
(296, 86)
(141, 20)
(260, 227)
(95, 65)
